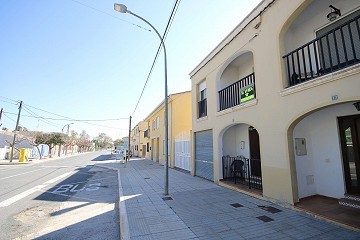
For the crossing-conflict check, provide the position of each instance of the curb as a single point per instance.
(123, 219)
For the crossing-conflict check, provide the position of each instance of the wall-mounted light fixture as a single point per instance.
(335, 12)
(357, 106)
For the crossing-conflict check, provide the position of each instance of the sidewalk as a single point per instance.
(200, 209)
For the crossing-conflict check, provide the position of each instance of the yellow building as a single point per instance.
(139, 139)
(280, 94)
(179, 112)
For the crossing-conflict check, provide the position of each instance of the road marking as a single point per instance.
(16, 198)
(60, 177)
(19, 174)
(74, 188)
(20, 196)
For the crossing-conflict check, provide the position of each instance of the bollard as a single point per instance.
(22, 155)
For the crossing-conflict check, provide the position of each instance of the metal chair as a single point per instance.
(237, 167)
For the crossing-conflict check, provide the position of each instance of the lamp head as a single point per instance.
(335, 12)
(120, 8)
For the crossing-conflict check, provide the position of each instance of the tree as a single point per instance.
(103, 141)
(5, 129)
(118, 142)
(83, 141)
(53, 139)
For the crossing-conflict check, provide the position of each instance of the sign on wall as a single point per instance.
(247, 93)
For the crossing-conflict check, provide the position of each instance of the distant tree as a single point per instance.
(118, 142)
(83, 141)
(22, 129)
(53, 139)
(5, 129)
(103, 141)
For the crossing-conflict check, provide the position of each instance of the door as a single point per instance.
(350, 136)
(255, 163)
(143, 151)
(182, 154)
(204, 162)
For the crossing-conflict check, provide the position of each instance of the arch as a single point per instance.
(240, 140)
(304, 42)
(318, 127)
(236, 73)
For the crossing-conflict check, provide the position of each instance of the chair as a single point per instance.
(237, 167)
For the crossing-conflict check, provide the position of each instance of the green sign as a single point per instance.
(247, 93)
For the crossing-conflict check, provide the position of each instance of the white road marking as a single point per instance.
(20, 174)
(20, 196)
(16, 198)
(60, 177)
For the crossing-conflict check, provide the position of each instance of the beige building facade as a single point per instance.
(179, 121)
(138, 140)
(278, 93)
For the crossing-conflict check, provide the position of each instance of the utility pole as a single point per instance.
(128, 155)
(1, 116)
(16, 129)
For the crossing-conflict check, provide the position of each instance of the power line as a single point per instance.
(8, 102)
(8, 117)
(72, 119)
(9, 99)
(100, 11)
(171, 18)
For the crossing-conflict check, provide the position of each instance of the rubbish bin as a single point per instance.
(22, 157)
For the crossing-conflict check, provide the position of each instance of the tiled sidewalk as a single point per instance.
(200, 209)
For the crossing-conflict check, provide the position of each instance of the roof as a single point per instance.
(162, 103)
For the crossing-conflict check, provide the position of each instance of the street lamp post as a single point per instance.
(67, 133)
(123, 9)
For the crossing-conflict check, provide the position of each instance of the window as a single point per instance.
(202, 103)
(157, 122)
(147, 147)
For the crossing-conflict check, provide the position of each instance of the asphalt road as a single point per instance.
(67, 198)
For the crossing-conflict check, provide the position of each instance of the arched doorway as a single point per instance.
(241, 160)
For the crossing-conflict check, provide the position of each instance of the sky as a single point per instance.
(76, 61)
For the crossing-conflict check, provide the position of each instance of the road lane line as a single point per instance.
(16, 198)
(60, 177)
(20, 174)
(20, 196)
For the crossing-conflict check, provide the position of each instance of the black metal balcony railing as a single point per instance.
(251, 172)
(232, 95)
(334, 50)
(202, 107)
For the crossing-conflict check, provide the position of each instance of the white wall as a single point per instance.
(313, 18)
(323, 159)
(232, 139)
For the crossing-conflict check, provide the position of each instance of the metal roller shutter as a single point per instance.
(204, 162)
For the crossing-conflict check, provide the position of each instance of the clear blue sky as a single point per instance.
(83, 60)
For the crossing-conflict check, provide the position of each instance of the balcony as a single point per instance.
(202, 107)
(238, 92)
(337, 49)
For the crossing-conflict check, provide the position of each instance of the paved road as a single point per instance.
(67, 198)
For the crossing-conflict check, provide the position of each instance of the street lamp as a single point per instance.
(123, 9)
(67, 133)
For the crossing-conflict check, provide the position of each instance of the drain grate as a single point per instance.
(236, 205)
(265, 218)
(270, 209)
(146, 178)
(167, 198)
